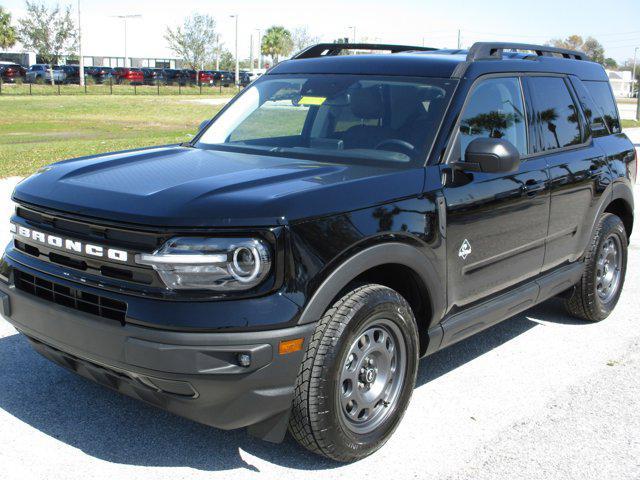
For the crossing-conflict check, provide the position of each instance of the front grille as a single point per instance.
(90, 232)
(97, 269)
(141, 275)
(70, 297)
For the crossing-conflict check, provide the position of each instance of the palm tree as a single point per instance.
(549, 116)
(7, 31)
(277, 42)
(493, 123)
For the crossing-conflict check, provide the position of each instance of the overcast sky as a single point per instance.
(615, 24)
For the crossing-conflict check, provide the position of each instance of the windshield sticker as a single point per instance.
(311, 100)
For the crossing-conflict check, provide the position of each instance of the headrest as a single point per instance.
(366, 103)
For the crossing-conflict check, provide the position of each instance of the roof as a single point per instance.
(402, 64)
(440, 64)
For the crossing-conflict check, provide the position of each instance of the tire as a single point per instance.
(323, 418)
(594, 296)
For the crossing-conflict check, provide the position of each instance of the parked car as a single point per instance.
(189, 77)
(99, 74)
(58, 74)
(172, 76)
(205, 77)
(223, 78)
(288, 267)
(12, 72)
(37, 73)
(71, 74)
(153, 76)
(133, 76)
(245, 79)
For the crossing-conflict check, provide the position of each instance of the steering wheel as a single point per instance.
(396, 141)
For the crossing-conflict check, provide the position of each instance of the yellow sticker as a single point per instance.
(312, 100)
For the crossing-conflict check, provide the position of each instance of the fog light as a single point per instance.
(244, 359)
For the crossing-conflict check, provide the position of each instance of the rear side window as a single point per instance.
(606, 106)
(556, 113)
(495, 110)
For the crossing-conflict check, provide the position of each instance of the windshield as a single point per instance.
(338, 118)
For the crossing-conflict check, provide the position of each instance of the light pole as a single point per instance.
(633, 81)
(125, 18)
(354, 33)
(81, 63)
(259, 48)
(633, 74)
(237, 61)
(217, 52)
(251, 52)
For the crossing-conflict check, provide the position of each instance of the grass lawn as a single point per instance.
(630, 124)
(35, 131)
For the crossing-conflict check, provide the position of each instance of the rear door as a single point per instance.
(577, 166)
(496, 223)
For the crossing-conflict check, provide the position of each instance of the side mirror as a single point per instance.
(203, 124)
(490, 155)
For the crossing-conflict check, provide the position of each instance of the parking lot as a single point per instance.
(538, 396)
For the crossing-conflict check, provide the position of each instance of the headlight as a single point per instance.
(221, 264)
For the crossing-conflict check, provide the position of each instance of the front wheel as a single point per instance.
(357, 376)
(598, 291)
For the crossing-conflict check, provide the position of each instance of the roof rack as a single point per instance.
(329, 49)
(494, 50)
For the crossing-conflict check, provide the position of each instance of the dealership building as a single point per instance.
(29, 58)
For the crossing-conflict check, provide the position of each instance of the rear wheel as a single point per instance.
(357, 376)
(598, 291)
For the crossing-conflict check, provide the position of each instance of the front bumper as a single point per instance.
(193, 374)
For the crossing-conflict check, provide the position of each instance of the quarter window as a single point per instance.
(556, 113)
(495, 110)
(606, 106)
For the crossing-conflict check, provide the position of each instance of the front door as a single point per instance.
(496, 223)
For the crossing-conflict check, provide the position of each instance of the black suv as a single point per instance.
(99, 74)
(342, 217)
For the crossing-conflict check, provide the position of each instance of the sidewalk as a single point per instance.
(633, 134)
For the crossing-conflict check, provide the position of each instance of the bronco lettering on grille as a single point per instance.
(68, 244)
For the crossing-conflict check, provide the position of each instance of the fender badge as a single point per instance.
(465, 249)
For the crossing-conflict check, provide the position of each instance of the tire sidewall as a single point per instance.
(382, 303)
(611, 225)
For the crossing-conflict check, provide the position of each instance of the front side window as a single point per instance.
(495, 110)
(556, 113)
(337, 118)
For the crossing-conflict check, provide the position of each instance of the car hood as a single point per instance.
(191, 187)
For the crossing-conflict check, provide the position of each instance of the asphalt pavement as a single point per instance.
(539, 396)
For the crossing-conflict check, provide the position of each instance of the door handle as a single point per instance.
(532, 187)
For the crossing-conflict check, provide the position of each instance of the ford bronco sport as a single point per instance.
(342, 217)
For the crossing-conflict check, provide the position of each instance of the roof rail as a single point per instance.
(328, 49)
(493, 50)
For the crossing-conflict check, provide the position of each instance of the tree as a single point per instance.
(194, 41)
(227, 60)
(276, 42)
(590, 46)
(50, 33)
(610, 63)
(594, 49)
(302, 39)
(7, 31)
(572, 42)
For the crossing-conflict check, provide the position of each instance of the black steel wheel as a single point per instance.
(357, 376)
(599, 289)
